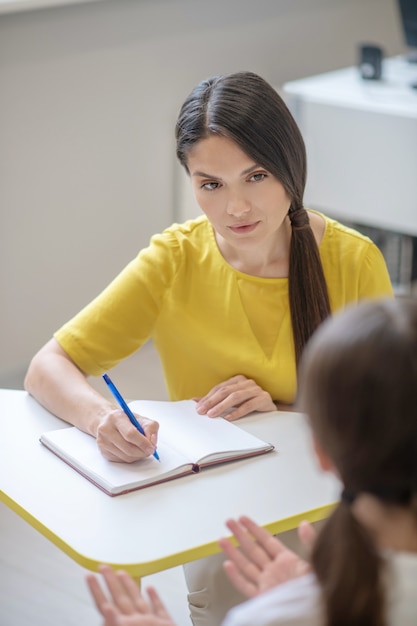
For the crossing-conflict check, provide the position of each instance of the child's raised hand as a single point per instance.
(262, 561)
(125, 605)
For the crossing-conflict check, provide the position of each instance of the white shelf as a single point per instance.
(392, 94)
(361, 141)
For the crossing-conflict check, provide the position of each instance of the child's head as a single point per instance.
(245, 108)
(358, 385)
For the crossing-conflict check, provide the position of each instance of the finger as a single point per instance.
(151, 429)
(208, 402)
(307, 535)
(132, 435)
(263, 538)
(156, 602)
(237, 412)
(219, 393)
(121, 598)
(222, 387)
(256, 552)
(111, 615)
(242, 584)
(124, 454)
(122, 437)
(132, 590)
(120, 440)
(207, 398)
(249, 566)
(99, 597)
(244, 565)
(243, 401)
(223, 402)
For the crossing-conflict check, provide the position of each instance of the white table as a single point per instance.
(164, 525)
(361, 140)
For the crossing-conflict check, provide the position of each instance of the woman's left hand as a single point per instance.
(126, 605)
(234, 398)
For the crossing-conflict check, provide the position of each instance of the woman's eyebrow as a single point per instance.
(201, 174)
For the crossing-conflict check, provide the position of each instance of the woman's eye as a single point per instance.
(210, 186)
(257, 177)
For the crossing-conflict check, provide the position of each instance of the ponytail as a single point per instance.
(308, 295)
(358, 386)
(348, 568)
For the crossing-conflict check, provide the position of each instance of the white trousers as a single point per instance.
(210, 593)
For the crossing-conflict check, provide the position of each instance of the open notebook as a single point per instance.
(187, 442)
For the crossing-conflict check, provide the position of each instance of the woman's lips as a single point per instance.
(243, 228)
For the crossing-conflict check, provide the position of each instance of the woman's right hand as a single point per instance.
(118, 440)
(63, 389)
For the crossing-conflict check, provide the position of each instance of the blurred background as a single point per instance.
(89, 95)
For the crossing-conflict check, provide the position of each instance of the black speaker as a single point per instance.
(370, 61)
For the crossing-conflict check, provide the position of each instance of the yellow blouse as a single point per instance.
(207, 320)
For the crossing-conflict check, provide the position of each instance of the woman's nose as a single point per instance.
(237, 206)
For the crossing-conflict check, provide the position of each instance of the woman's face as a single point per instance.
(245, 203)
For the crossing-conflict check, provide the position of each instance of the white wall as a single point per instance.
(89, 95)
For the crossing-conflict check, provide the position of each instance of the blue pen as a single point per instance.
(125, 407)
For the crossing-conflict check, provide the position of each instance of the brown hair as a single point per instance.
(245, 108)
(358, 385)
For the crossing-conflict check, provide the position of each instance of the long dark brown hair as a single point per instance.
(245, 108)
(358, 385)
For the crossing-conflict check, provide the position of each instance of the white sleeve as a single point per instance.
(295, 603)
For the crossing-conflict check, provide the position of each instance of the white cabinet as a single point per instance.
(361, 140)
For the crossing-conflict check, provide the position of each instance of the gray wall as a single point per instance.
(89, 94)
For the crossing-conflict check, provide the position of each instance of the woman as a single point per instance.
(229, 299)
(358, 386)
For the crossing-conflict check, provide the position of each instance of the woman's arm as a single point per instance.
(55, 381)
